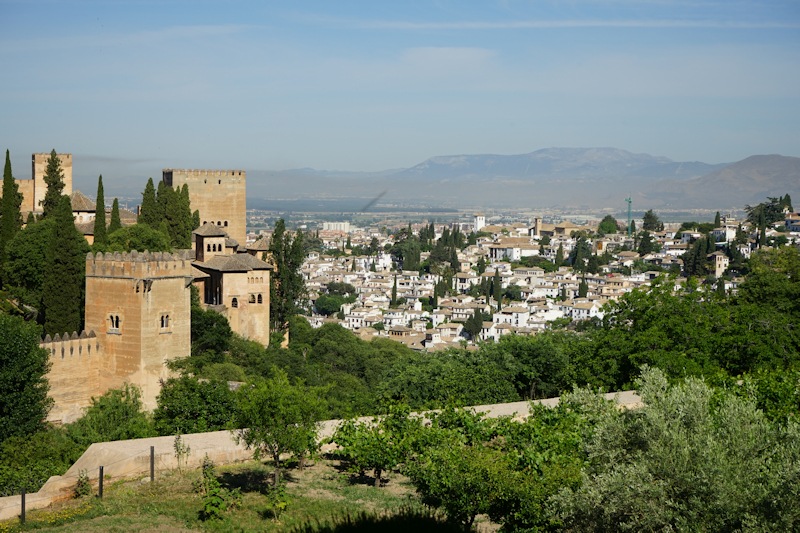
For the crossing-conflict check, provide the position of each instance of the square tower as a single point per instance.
(219, 196)
(39, 164)
(138, 305)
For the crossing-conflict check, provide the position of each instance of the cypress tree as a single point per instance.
(115, 223)
(583, 288)
(64, 273)
(10, 217)
(497, 290)
(100, 235)
(163, 193)
(394, 292)
(148, 212)
(560, 255)
(54, 178)
(717, 220)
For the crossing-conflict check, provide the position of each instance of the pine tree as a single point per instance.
(54, 179)
(10, 217)
(64, 273)
(148, 212)
(100, 235)
(115, 223)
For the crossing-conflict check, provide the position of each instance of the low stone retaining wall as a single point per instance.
(131, 458)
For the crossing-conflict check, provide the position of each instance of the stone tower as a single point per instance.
(219, 196)
(39, 166)
(138, 305)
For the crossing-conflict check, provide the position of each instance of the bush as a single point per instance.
(116, 415)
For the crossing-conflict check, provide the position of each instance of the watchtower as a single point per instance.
(219, 196)
(138, 305)
(39, 167)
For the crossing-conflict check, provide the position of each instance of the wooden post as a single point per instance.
(100, 485)
(152, 463)
(22, 511)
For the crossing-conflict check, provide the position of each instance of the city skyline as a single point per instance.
(132, 87)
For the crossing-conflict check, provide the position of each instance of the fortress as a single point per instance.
(138, 305)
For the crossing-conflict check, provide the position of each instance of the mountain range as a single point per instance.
(551, 177)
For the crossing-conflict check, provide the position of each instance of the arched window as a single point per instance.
(252, 298)
(225, 223)
(208, 247)
(260, 300)
(235, 302)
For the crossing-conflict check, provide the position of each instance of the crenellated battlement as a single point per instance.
(72, 345)
(206, 172)
(139, 265)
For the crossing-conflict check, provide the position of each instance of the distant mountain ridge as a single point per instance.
(565, 177)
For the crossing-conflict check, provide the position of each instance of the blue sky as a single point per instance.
(130, 87)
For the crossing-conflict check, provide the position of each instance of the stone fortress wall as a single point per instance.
(137, 318)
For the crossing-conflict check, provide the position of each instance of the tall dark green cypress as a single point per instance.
(115, 222)
(717, 220)
(100, 234)
(10, 216)
(64, 274)
(148, 212)
(497, 289)
(54, 178)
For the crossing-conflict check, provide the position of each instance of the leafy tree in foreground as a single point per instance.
(279, 418)
(378, 445)
(54, 179)
(692, 459)
(10, 217)
(24, 403)
(64, 274)
(186, 405)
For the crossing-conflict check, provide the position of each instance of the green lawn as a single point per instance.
(321, 498)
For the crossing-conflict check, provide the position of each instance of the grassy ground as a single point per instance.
(318, 495)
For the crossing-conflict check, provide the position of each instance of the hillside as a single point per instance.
(749, 181)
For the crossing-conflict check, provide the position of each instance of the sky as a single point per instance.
(133, 86)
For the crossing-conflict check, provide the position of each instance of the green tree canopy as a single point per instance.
(651, 222)
(278, 418)
(608, 225)
(25, 262)
(140, 237)
(24, 403)
(188, 405)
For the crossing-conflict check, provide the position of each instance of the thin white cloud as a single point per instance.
(566, 24)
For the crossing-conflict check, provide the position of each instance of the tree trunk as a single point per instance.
(378, 472)
(276, 458)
